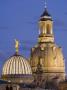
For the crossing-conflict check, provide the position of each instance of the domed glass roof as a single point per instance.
(16, 65)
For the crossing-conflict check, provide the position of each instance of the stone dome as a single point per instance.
(16, 65)
(50, 57)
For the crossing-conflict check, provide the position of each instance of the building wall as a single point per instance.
(14, 86)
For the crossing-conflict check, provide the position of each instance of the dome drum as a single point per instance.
(18, 78)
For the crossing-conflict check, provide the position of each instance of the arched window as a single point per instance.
(48, 29)
(7, 88)
(11, 88)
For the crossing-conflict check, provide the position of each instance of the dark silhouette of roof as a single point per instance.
(45, 13)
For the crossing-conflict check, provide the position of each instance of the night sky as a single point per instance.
(19, 20)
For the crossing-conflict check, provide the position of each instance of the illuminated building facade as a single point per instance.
(46, 68)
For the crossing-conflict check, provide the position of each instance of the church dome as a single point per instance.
(16, 65)
(51, 60)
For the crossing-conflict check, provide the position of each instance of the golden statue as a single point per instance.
(17, 45)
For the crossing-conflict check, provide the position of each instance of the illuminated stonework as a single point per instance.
(45, 70)
(50, 55)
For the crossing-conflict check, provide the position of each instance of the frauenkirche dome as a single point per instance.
(46, 51)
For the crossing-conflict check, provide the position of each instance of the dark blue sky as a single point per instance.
(19, 20)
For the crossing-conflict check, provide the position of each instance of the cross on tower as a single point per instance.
(45, 4)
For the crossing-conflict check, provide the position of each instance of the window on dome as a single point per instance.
(7, 88)
(11, 88)
(48, 29)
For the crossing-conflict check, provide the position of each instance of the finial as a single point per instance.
(17, 45)
(45, 4)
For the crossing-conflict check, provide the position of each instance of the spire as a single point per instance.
(45, 4)
(45, 13)
(17, 46)
(45, 26)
